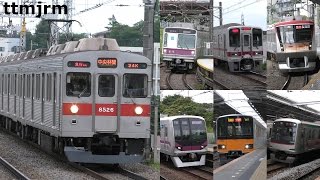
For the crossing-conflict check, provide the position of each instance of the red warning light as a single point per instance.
(235, 30)
(246, 28)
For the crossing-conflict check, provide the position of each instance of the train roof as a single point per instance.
(233, 25)
(296, 121)
(171, 118)
(293, 22)
(181, 28)
(228, 115)
(207, 64)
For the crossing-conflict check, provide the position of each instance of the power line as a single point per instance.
(241, 7)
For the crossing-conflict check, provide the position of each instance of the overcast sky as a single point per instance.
(198, 96)
(254, 11)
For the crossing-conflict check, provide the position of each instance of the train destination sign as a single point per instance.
(107, 62)
(135, 65)
(179, 30)
(79, 64)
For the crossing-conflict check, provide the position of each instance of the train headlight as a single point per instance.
(138, 110)
(248, 146)
(74, 109)
(165, 51)
(192, 52)
(223, 146)
(179, 147)
(202, 147)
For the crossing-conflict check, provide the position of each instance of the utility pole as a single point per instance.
(242, 19)
(220, 11)
(211, 21)
(148, 52)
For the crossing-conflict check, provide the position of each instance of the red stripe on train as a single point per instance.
(106, 109)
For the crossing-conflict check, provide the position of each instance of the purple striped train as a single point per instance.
(184, 140)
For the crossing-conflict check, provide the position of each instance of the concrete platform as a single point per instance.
(251, 166)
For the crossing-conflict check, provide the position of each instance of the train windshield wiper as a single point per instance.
(130, 95)
(84, 90)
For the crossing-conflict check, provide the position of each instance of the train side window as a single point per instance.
(78, 84)
(49, 87)
(135, 85)
(37, 86)
(106, 86)
(166, 131)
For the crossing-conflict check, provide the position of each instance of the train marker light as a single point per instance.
(74, 109)
(138, 110)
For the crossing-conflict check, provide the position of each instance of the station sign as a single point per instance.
(107, 62)
(135, 65)
(78, 64)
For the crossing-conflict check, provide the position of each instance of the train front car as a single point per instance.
(294, 47)
(239, 46)
(184, 140)
(179, 48)
(106, 105)
(235, 135)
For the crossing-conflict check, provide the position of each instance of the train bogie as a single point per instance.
(182, 151)
(94, 105)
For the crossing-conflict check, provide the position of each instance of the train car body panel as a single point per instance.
(182, 46)
(292, 44)
(184, 140)
(291, 138)
(93, 105)
(239, 134)
(239, 46)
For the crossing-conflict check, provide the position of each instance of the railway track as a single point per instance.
(275, 167)
(178, 84)
(255, 77)
(295, 82)
(90, 171)
(185, 82)
(223, 86)
(199, 173)
(14, 171)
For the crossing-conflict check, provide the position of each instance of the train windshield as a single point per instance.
(190, 129)
(284, 132)
(78, 84)
(235, 127)
(257, 37)
(295, 33)
(135, 85)
(234, 37)
(186, 41)
(106, 86)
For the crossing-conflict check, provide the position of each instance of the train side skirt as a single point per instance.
(80, 155)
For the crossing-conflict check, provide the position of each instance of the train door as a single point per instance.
(224, 45)
(166, 139)
(246, 44)
(106, 103)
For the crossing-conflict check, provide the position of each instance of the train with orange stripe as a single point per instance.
(239, 46)
(238, 134)
(84, 99)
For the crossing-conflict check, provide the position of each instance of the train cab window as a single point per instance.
(234, 37)
(135, 85)
(106, 86)
(78, 84)
(165, 39)
(246, 40)
(176, 127)
(198, 128)
(185, 129)
(186, 41)
(257, 37)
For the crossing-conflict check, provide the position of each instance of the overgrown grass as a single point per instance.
(155, 166)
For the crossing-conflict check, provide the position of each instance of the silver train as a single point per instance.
(292, 45)
(182, 46)
(291, 138)
(241, 47)
(85, 99)
(184, 140)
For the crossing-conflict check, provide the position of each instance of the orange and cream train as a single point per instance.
(238, 134)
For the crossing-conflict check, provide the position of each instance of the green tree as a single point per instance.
(42, 34)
